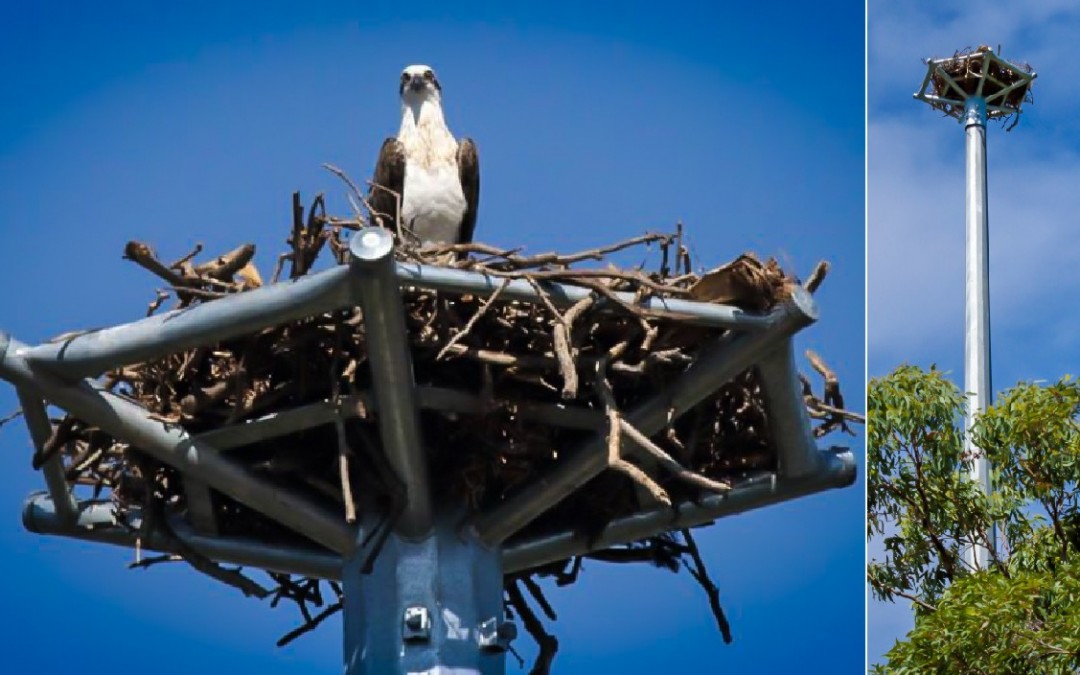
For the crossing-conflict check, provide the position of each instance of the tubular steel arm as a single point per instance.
(172, 445)
(97, 523)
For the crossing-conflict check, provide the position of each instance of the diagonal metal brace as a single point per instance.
(729, 356)
(170, 444)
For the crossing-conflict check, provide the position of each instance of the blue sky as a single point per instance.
(916, 206)
(184, 123)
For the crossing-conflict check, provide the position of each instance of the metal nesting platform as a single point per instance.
(432, 601)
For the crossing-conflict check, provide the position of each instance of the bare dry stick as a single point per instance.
(548, 644)
(211, 295)
(560, 340)
(817, 276)
(832, 384)
(563, 349)
(312, 624)
(615, 461)
(701, 574)
(829, 410)
(339, 428)
(225, 266)
(61, 434)
(396, 217)
(472, 321)
(162, 296)
(343, 467)
(668, 462)
(345, 177)
(187, 258)
(13, 415)
(142, 255)
(574, 275)
(538, 595)
(554, 258)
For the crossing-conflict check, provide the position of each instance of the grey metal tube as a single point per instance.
(789, 423)
(376, 288)
(462, 281)
(171, 444)
(95, 352)
(37, 420)
(977, 294)
(718, 364)
(97, 523)
(837, 469)
(430, 398)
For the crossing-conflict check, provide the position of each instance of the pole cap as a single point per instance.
(371, 244)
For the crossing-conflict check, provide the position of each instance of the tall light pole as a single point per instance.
(973, 88)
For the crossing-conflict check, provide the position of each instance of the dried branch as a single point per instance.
(548, 644)
(701, 575)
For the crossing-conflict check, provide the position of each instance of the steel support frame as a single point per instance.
(717, 364)
(432, 602)
(97, 523)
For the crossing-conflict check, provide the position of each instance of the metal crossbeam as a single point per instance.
(97, 523)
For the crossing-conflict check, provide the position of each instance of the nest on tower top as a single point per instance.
(965, 69)
(501, 364)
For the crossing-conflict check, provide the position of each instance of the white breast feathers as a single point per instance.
(433, 203)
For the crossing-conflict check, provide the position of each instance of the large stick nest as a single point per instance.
(508, 359)
(965, 68)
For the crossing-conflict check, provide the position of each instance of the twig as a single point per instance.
(312, 624)
(701, 574)
(614, 441)
(12, 415)
(538, 595)
(342, 444)
(60, 436)
(472, 321)
(548, 644)
(665, 460)
(554, 258)
(143, 255)
(817, 276)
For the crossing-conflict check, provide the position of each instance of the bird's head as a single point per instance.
(419, 84)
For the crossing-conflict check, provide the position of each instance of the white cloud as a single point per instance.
(916, 233)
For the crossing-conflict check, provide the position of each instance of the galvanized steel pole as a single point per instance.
(977, 303)
(431, 606)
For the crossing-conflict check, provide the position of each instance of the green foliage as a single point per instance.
(990, 623)
(1022, 615)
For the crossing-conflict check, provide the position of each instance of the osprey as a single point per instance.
(437, 177)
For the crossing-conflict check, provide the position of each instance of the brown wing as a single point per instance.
(390, 179)
(469, 173)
